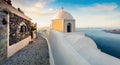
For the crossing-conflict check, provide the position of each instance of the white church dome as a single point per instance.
(62, 15)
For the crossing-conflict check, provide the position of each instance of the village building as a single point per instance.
(63, 21)
(16, 29)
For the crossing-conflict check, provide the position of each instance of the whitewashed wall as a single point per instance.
(63, 53)
(77, 49)
(87, 48)
(17, 46)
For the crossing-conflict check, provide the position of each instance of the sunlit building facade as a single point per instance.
(63, 22)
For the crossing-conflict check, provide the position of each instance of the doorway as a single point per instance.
(69, 27)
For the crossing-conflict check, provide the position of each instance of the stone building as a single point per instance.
(63, 22)
(17, 28)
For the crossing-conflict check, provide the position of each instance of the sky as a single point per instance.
(87, 13)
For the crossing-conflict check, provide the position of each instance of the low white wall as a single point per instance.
(63, 53)
(77, 49)
(51, 60)
(79, 41)
(87, 48)
(17, 46)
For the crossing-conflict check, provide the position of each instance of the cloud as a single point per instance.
(42, 3)
(105, 7)
(39, 5)
(99, 8)
(35, 9)
(97, 21)
(98, 15)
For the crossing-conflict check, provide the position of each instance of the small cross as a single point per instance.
(62, 8)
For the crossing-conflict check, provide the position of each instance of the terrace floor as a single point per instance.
(36, 53)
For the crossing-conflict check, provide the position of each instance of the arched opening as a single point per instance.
(23, 27)
(69, 28)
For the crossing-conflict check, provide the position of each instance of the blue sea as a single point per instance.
(107, 42)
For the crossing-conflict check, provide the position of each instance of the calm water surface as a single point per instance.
(107, 42)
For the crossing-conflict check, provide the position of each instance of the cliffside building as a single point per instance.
(15, 29)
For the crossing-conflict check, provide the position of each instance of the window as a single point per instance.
(23, 27)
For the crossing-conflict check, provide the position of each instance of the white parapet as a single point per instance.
(62, 52)
(87, 48)
(17, 46)
(77, 49)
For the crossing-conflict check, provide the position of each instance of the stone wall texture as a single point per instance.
(15, 34)
(3, 38)
(10, 27)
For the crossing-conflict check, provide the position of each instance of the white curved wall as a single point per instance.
(88, 49)
(77, 49)
(79, 40)
(63, 53)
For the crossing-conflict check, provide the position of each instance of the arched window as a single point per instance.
(69, 28)
(23, 27)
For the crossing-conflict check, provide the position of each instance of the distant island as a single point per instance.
(115, 31)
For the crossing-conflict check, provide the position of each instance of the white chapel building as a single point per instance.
(63, 21)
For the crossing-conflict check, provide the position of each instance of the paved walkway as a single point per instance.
(35, 53)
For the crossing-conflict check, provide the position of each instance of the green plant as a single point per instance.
(33, 28)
